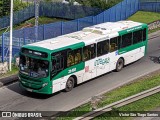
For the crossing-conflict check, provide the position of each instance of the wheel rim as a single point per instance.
(120, 64)
(69, 84)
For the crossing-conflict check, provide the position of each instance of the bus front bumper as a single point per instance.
(44, 90)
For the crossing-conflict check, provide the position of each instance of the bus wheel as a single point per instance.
(69, 84)
(119, 65)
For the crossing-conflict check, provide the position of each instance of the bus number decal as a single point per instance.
(72, 70)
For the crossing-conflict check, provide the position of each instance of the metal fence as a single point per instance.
(27, 35)
(68, 11)
(18, 16)
(150, 5)
(50, 9)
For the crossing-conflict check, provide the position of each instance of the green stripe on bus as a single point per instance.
(130, 48)
(140, 27)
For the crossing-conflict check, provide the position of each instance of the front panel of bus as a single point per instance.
(34, 71)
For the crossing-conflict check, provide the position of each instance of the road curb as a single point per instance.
(8, 80)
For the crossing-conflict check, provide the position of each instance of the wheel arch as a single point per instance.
(123, 60)
(75, 79)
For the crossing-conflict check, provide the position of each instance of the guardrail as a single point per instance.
(120, 103)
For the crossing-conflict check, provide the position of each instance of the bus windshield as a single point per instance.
(33, 67)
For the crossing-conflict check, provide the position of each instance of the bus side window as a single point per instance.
(113, 44)
(126, 40)
(93, 50)
(119, 42)
(70, 58)
(89, 52)
(105, 47)
(102, 47)
(144, 34)
(86, 54)
(54, 68)
(99, 49)
(137, 36)
(78, 54)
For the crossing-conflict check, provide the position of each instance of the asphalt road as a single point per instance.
(13, 98)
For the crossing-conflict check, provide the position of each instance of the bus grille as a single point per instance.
(29, 83)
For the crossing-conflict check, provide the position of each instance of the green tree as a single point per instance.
(4, 7)
(19, 5)
(1, 8)
(103, 4)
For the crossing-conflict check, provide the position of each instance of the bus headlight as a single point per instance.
(44, 84)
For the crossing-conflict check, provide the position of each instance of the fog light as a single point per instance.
(45, 84)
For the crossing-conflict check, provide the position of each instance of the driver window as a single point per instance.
(60, 63)
(57, 64)
(113, 44)
(54, 65)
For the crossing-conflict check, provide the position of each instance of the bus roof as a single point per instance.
(86, 35)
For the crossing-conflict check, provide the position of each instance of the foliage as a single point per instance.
(135, 87)
(19, 5)
(146, 104)
(103, 4)
(145, 17)
(4, 7)
(5, 10)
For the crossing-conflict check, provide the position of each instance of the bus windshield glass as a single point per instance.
(33, 67)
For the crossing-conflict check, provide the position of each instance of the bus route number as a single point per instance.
(72, 70)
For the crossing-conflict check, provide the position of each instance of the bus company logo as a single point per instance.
(101, 61)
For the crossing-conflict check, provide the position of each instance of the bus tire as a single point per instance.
(69, 84)
(120, 64)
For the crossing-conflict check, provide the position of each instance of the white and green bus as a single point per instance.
(65, 61)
